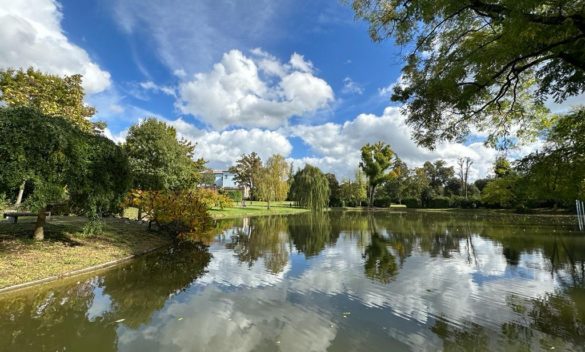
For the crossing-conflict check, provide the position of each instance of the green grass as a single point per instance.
(65, 248)
(256, 208)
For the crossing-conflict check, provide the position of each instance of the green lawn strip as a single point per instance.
(256, 209)
(66, 248)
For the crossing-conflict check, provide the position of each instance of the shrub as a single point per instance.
(439, 202)
(3, 202)
(382, 202)
(469, 203)
(234, 195)
(411, 202)
(182, 214)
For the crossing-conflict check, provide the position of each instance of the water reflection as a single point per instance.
(329, 281)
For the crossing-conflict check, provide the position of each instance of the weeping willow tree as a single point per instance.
(310, 188)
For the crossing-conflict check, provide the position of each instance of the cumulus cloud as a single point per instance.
(223, 148)
(32, 36)
(337, 145)
(256, 91)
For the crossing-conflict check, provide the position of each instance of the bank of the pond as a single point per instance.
(256, 208)
(66, 249)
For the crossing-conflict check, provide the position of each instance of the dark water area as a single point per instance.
(339, 281)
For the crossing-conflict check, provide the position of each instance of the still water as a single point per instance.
(337, 281)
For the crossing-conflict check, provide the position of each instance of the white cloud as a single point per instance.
(32, 36)
(337, 145)
(237, 91)
(223, 148)
(351, 87)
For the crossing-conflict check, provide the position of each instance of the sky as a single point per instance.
(298, 78)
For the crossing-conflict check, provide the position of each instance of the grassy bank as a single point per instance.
(66, 248)
(256, 209)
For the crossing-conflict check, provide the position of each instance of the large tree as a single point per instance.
(438, 173)
(62, 162)
(246, 171)
(480, 62)
(310, 188)
(272, 183)
(52, 95)
(158, 160)
(376, 160)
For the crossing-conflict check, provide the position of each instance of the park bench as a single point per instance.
(15, 215)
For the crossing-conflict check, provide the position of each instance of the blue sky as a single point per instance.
(299, 78)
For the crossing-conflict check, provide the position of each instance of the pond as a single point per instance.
(339, 281)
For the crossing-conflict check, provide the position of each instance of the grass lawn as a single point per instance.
(66, 248)
(256, 208)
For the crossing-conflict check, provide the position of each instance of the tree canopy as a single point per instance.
(475, 63)
(310, 188)
(51, 94)
(376, 159)
(158, 160)
(246, 171)
(272, 182)
(61, 161)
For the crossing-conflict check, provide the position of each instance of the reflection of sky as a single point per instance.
(244, 308)
(100, 305)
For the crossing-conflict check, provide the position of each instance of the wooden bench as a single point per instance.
(15, 215)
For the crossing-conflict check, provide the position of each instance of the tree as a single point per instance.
(310, 188)
(51, 94)
(334, 196)
(464, 165)
(438, 174)
(376, 159)
(501, 192)
(502, 167)
(396, 186)
(477, 62)
(61, 161)
(272, 182)
(557, 172)
(247, 170)
(158, 160)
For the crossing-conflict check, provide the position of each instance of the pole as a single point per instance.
(578, 217)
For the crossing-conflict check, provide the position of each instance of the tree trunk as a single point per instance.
(371, 197)
(20, 194)
(39, 233)
(268, 204)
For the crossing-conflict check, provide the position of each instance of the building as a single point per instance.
(225, 180)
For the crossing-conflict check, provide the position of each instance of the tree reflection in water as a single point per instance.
(59, 319)
(262, 237)
(381, 264)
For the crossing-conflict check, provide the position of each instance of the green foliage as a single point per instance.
(412, 202)
(310, 188)
(439, 202)
(272, 183)
(158, 160)
(479, 63)
(234, 195)
(3, 202)
(352, 193)
(557, 172)
(501, 192)
(376, 159)
(502, 167)
(438, 174)
(51, 94)
(184, 214)
(60, 161)
(247, 171)
(334, 190)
